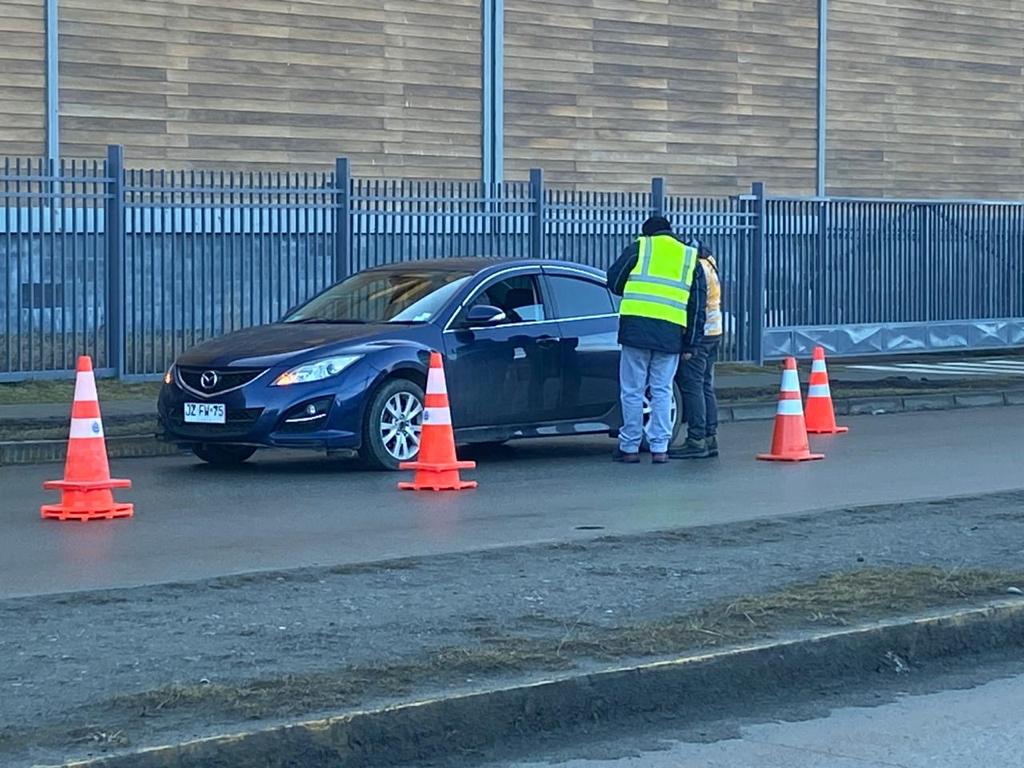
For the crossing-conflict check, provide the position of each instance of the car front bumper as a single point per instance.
(275, 417)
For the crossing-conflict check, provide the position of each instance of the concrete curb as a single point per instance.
(435, 728)
(54, 451)
(874, 406)
(143, 446)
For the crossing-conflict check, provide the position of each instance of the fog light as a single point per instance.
(309, 413)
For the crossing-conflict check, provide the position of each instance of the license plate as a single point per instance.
(204, 413)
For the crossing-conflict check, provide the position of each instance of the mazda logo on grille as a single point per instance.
(209, 379)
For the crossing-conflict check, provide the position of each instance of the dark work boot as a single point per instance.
(659, 458)
(691, 449)
(712, 446)
(625, 458)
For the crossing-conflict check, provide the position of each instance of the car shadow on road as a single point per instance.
(523, 452)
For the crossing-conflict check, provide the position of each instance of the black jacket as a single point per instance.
(659, 335)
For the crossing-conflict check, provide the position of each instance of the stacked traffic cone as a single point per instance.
(437, 468)
(821, 416)
(789, 440)
(86, 487)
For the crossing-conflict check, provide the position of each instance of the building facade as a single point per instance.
(925, 98)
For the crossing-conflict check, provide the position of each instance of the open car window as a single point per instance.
(517, 296)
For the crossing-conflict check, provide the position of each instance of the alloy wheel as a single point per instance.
(400, 424)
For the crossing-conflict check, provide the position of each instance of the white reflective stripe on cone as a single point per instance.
(818, 366)
(818, 390)
(790, 381)
(86, 428)
(85, 388)
(435, 382)
(437, 416)
(790, 408)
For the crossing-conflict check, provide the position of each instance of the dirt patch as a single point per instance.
(84, 673)
(834, 600)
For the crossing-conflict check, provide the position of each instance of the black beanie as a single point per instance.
(656, 225)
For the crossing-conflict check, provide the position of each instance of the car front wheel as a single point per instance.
(391, 431)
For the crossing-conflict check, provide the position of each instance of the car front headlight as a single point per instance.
(318, 370)
(169, 376)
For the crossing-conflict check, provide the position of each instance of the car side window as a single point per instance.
(518, 297)
(577, 297)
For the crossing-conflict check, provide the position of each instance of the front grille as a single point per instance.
(227, 379)
(237, 424)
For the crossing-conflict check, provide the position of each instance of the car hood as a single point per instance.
(267, 345)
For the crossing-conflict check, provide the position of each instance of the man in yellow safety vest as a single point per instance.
(661, 315)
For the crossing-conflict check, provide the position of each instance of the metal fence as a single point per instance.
(867, 277)
(53, 265)
(134, 266)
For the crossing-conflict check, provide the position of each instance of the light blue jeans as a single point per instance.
(638, 370)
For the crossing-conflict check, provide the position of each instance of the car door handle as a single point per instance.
(546, 342)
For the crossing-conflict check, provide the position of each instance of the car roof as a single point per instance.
(477, 264)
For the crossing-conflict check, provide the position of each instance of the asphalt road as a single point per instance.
(285, 511)
(976, 727)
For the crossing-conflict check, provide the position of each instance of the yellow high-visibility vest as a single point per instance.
(658, 287)
(713, 325)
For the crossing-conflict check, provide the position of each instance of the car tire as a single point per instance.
(223, 455)
(402, 395)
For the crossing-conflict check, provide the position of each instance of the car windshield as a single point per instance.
(405, 294)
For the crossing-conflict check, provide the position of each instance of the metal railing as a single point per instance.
(53, 266)
(882, 276)
(135, 266)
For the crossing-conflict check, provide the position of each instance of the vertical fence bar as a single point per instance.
(757, 303)
(7, 269)
(658, 196)
(114, 232)
(539, 217)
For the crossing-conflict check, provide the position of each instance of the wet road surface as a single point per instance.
(292, 510)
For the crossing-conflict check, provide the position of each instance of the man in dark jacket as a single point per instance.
(698, 383)
(661, 317)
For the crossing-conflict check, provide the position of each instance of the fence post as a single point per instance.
(113, 227)
(658, 196)
(342, 218)
(537, 220)
(757, 278)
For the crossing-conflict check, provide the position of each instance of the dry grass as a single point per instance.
(61, 391)
(834, 600)
(112, 427)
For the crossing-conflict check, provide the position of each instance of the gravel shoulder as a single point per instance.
(95, 671)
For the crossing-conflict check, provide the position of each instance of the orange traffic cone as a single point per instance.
(821, 416)
(437, 468)
(87, 484)
(789, 441)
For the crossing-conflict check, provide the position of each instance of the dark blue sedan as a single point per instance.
(530, 350)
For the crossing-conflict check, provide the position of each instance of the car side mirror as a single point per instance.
(483, 315)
